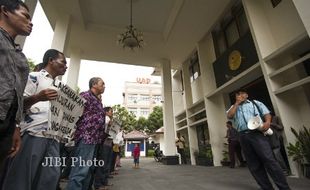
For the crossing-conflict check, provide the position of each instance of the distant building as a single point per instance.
(132, 138)
(142, 96)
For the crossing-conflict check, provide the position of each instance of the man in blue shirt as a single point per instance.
(254, 143)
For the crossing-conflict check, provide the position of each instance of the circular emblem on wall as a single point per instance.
(234, 60)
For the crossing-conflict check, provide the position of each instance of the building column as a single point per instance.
(192, 134)
(61, 32)
(74, 69)
(302, 7)
(215, 105)
(169, 134)
(32, 6)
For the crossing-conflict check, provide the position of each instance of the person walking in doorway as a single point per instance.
(234, 147)
(276, 142)
(180, 144)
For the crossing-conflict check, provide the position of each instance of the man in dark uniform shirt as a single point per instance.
(14, 20)
(233, 145)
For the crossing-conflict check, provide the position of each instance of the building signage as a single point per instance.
(143, 80)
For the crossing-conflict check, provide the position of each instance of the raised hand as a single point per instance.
(47, 94)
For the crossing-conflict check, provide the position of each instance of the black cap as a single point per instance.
(241, 90)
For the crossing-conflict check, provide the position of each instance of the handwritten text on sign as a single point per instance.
(65, 111)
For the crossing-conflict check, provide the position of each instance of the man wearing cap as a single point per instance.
(254, 143)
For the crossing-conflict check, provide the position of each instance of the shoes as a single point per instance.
(110, 176)
(232, 166)
(243, 164)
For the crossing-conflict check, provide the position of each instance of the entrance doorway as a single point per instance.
(257, 90)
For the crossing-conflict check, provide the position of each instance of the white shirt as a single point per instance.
(180, 142)
(37, 120)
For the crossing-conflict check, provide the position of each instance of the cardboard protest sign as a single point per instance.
(65, 111)
(115, 127)
(108, 124)
(119, 138)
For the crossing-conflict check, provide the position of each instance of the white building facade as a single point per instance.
(254, 45)
(142, 96)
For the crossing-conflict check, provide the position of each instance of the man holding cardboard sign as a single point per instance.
(27, 170)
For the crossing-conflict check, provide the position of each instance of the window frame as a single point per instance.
(220, 33)
(194, 61)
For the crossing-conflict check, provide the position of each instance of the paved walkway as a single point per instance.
(156, 176)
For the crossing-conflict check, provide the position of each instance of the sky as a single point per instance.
(113, 74)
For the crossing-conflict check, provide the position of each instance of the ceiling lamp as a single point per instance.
(131, 38)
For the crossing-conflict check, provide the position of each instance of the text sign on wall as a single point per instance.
(65, 111)
(143, 80)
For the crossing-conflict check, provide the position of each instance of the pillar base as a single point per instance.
(170, 160)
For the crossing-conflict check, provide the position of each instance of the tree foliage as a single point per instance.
(130, 123)
(31, 64)
(155, 120)
(142, 124)
(128, 119)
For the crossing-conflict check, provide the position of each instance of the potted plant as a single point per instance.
(187, 155)
(300, 151)
(204, 156)
(209, 155)
(225, 161)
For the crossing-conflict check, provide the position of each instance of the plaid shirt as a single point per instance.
(14, 72)
(90, 127)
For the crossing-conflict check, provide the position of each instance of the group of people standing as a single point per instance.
(23, 145)
(24, 115)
